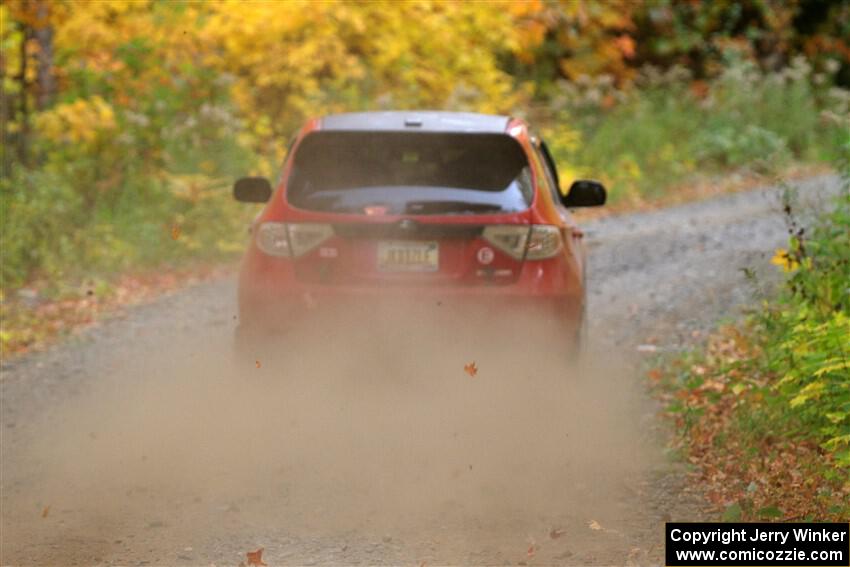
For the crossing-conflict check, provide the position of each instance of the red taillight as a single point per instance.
(543, 242)
(509, 238)
(537, 242)
(273, 240)
(286, 240)
(304, 237)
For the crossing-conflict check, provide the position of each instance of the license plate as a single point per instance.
(408, 256)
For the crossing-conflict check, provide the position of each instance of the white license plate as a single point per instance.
(408, 256)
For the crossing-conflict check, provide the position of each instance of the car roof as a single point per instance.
(417, 121)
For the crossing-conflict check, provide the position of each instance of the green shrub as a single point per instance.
(126, 189)
(645, 141)
(807, 342)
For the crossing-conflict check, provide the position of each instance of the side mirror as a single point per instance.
(252, 190)
(585, 193)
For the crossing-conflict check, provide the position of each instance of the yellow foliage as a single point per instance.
(83, 121)
(810, 391)
(583, 30)
(287, 61)
(94, 30)
(784, 260)
(568, 140)
(298, 59)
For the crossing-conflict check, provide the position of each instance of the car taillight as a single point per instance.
(286, 240)
(306, 236)
(543, 242)
(537, 242)
(509, 238)
(273, 240)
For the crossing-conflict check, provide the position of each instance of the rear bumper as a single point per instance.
(281, 303)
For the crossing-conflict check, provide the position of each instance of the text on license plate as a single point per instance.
(408, 256)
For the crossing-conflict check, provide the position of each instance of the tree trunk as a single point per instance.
(6, 113)
(23, 106)
(44, 37)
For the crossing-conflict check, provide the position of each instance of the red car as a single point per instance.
(447, 209)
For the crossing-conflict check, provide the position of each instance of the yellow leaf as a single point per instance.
(782, 259)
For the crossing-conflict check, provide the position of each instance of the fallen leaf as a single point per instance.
(632, 558)
(257, 362)
(530, 551)
(594, 525)
(256, 557)
(732, 513)
(175, 232)
(471, 369)
(555, 533)
(45, 512)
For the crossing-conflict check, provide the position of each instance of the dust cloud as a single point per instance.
(363, 430)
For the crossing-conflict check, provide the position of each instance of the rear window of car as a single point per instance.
(410, 173)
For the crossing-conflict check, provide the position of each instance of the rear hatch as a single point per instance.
(410, 208)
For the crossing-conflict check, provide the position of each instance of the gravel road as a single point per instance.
(136, 442)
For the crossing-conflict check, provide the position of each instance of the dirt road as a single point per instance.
(137, 443)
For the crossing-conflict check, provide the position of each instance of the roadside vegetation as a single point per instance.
(763, 412)
(125, 122)
(670, 129)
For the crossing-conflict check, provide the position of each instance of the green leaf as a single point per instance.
(831, 368)
(732, 513)
(769, 512)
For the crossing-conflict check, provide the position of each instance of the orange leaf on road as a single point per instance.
(256, 557)
(45, 512)
(471, 369)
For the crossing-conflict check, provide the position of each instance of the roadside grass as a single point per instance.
(763, 410)
(669, 131)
